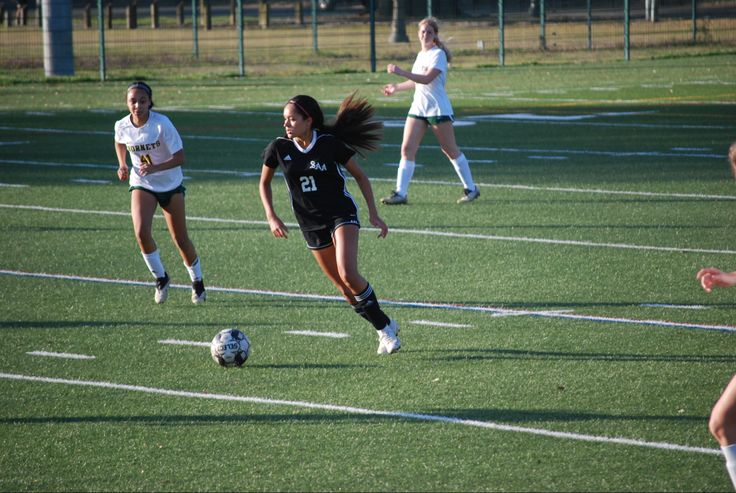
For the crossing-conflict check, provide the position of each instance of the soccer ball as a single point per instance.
(230, 347)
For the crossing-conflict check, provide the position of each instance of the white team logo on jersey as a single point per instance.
(317, 166)
(287, 158)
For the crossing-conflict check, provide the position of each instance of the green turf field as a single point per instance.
(554, 336)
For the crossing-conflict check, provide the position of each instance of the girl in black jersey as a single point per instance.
(312, 156)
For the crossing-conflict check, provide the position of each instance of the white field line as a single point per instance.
(525, 239)
(177, 342)
(420, 232)
(547, 158)
(14, 142)
(91, 182)
(406, 304)
(710, 155)
(511, 186)
(368, 412)
(545, 312)
(441, 324)
(678, 307)
(50, 354)
(314, 333)
(615, 101)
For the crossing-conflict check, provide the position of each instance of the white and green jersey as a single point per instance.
(431, 99)
(155, 142)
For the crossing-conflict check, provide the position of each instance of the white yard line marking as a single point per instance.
(548, 158)
(679, 307)
(177, 342)
(50, 354)
(546, 312)
(623, 246)
(441, 324)
(91, 182)
(369, 412)
(493, 118)
(13, 185)
(52, 164)
(408, 304)
(314, 333)
(620, 246)
(510, 186)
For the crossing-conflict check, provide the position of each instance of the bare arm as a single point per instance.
(122, 154)
(365, 188)
(425, 78)
(412, 79)
(277, 226)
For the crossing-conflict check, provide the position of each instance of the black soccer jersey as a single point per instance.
(315, 178)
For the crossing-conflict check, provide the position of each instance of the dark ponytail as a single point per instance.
(353, 124)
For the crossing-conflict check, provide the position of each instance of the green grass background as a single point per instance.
(638, 381)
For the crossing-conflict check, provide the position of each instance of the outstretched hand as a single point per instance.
(711, 277)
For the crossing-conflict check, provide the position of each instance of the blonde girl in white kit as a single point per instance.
(157, 155)
(431, 108)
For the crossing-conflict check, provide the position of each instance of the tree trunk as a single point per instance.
(398, 24)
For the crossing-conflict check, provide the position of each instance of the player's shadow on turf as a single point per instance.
(129, 324)
(483, 415)
(492, 354)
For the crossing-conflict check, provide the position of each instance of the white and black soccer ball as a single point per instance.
(230, 347)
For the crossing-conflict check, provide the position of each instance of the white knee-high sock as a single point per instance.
(462, 168)
(729, 451)
(403, 177)
(195, 270)
(153, 261)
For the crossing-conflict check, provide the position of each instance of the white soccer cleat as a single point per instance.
(388, 339)
(199, 295)
(162, 288)
(469, 195)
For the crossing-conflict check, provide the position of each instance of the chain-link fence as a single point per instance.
(289, 37)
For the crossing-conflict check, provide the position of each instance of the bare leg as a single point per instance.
(722, 423)
(176, 220)
(142, 207)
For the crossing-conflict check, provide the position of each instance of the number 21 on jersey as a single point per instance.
(308, 184)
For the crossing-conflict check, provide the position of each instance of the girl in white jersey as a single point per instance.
(431, 108)
(157, 154)
(722, 423)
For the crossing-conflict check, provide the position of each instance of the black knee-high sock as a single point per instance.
(367, 307)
